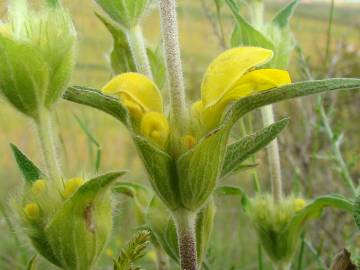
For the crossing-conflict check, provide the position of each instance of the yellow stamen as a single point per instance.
(32, 211)
(38, 186)
(71, 186)
(189, 141)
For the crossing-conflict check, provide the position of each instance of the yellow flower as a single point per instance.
(71, 186)
(38, 186)
(32, 211)
(232, 76)
(137, 92)
(155, 127)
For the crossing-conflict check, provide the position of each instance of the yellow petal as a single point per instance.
(225, 71)
(155, 127)
(138, 89)
(255, 81)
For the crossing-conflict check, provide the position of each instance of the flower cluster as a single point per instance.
(231, 76)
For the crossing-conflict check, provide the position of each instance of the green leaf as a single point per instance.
(229, 190)
(158, 217)
(80, 229)
(94, 98)
(300, 89)
(283, 16)
(248, 145)
(157, 67)
(314, 209)
(204, 228)
(161, 170)
(198, 169)
(357, 211)
(28, 169)
(121, 57)
(31, 264)
(245, 33)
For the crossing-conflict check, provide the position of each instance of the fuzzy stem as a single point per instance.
(169, 27)
(273, 156)
(47, 140)
(138, 50)
(185, 227)
(282, 266)
(257, 13)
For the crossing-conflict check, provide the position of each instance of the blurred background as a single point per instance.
(310, 161)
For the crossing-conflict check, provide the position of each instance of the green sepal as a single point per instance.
(300, 89)
(24, 76)
(198, 169)
(81, 228)
(241, 150)
(94, 98)
(28, 169)
(357, 211)
(245, 34)
(283, 17)
(160, 167)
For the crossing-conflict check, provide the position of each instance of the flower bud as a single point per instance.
(32, 211)
(272, 223)
(126, 13)
(155, 127)
(81, 220)
(38, 186)
(36, 56)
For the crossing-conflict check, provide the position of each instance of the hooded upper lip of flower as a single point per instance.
(231, 76)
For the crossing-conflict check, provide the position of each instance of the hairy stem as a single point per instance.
(282, 266)
(47, 140)
(169, 27)
(185, 227)
(273, 155)
(138, 50)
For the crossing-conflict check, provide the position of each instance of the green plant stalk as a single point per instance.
(336, 150)
(44, 127)
(186, 232)
(257, 8)
(169, 28)
(282, 267)
(138, 50)
(273, 156)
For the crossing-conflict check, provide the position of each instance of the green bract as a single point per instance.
(126, 13)
(69, 227)
(36, 57)
(279, 224)
(188, 181)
